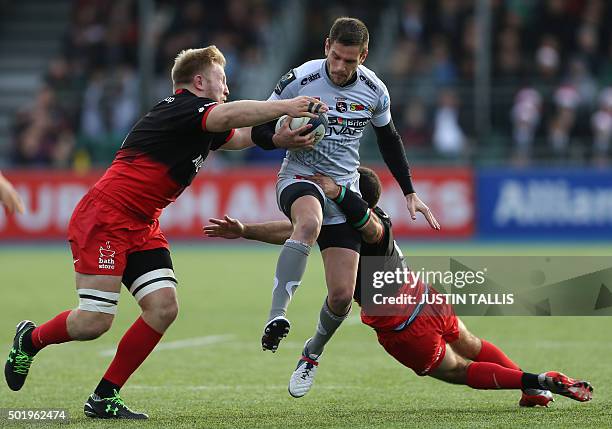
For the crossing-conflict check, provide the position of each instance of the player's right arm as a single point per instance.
(373, 231)
(9, 196)
(246, 113)
(358, 213)
(275, 232)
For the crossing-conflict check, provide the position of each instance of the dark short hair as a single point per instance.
(349, 32)
(369, 186)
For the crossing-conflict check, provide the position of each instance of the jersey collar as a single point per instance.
(184, 91)
(325, 74)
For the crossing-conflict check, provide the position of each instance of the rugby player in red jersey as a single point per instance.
(114, 231)
(428, 338)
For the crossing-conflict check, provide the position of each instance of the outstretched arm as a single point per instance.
(247, 113)
(274, 232)
(9, 196)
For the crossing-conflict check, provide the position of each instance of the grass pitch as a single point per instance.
(210, 372)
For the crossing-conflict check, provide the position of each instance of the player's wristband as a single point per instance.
(340, 196)
(262, 135)
(354, 207)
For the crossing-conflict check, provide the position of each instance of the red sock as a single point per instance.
(52, 332)
(487, 375)
(491, 353)
(137, 343)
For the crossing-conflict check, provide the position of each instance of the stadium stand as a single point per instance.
(551, 73)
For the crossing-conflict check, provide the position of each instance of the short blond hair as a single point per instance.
(190, 62)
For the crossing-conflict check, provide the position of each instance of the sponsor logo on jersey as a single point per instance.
(344, 126)
(169, 99)
(106, 260)
(341, 106)
(385, 102)
(310, 78)
(368, 82)
(284, 81)
(197, 163)
(349, 122)
(356, 107)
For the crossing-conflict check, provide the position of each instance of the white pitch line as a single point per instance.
(182, 344)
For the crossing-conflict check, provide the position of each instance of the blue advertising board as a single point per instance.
(544, 203)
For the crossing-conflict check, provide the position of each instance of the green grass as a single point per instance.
(225, 290)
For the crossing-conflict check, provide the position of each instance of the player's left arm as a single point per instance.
(274, 232)
(244, 138)
(392, 150)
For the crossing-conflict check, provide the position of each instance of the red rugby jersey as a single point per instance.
(161, 155)
(386, 317)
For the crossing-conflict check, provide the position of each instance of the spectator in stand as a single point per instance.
(508, 59)
(42, 134)
(525, 118)
(416, 132)
(442, 69)
(109, 111)
(563, 121)
(601, 123)
(448, 137)
(580, 78)
(412, 25)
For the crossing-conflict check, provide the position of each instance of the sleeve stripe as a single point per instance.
(231, 134)
(341, 196)
(363, 220)
(206, 115)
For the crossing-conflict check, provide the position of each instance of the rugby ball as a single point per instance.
(319, 125)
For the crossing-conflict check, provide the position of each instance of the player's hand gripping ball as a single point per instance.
(319, 125)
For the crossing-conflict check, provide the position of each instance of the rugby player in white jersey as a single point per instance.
(356, 97)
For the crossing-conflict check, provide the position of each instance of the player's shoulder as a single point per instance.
(309, 67)
(300, 75)
(371, 80)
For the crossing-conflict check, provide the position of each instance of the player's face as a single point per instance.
(342, 61)
(215, 83)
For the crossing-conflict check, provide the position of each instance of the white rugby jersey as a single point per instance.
(351, 108)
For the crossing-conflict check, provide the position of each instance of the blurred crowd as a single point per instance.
(90, 98)
(551, 74)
